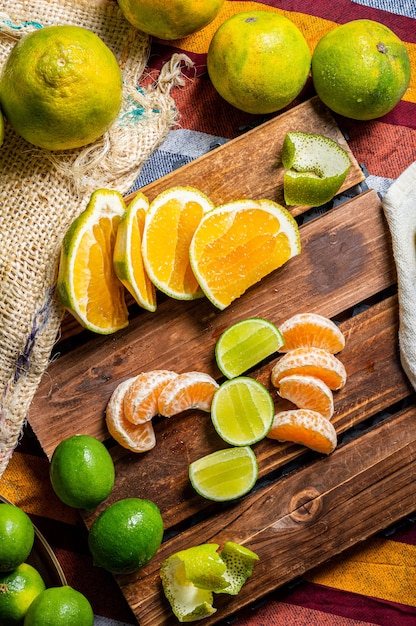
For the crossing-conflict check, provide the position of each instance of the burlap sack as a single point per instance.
(41, 193)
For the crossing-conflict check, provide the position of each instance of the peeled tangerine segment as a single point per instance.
(310, 330)
(316, 166)
(311, 362)
(190, 390)
(305, 427)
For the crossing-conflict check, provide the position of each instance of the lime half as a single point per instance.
(244, 344)
(225, 474)
(242, 411)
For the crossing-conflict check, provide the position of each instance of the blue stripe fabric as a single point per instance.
(398, 7)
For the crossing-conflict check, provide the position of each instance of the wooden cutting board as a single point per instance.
(299, 515)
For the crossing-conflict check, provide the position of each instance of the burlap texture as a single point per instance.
(41, 193)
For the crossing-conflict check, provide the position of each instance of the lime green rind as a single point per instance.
(239, 562)
(204, 567)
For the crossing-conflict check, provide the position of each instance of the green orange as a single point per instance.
(16, 536)
(18, 589)
(60, 606)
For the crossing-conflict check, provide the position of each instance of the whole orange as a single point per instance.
(170, 19)
(258, 61)
(361, 69)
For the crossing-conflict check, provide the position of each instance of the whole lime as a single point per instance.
(361, 69)
(61, 87)
(60, 606)
(82, 471)
(18, 589)
(17, 535)
(126, 535)
(258, 61)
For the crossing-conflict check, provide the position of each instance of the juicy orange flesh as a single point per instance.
(141, 278)
(311, 362)
(309, 332)
(307, 394)
(133, 437)
(197, 395)
(141, 399)
(302, 436)
(330, 377)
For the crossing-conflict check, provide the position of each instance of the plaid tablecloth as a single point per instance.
(375, 582)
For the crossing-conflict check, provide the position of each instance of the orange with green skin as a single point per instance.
(170, 19)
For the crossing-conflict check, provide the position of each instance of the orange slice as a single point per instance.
(170, 224)
(305, 427)
(239, 243)
(311, 362)
(191, 390)
(310, 330)
(137, 438)
(307, 392)
(141, 398)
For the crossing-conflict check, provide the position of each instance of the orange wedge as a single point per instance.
(170, 223)
(141, 398)
(238, 243)
(191, 390)
(304, 427)
(307, 392)
(137, 438)
(310, 330)
(311, 362)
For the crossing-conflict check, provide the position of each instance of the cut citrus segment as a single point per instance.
(137, 438)
(307, 392)
(242, 411)
(87, 285)
(170, 223)
(128, 260)
(311, 362)
(191, 390)
(238, 243)
(310, 330)
(142, 396)
(305, 427)
(244, 344)
(225, 474)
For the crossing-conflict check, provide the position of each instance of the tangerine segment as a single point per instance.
(127, 258)
(137, 438)
(311, 362)
(305, 427)
(170, 224)
(141, 398)
(191, 390)
(310, 330)
(238, 243)
(307, 392)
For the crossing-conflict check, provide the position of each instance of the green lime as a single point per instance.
(16, 536)
(225, 474)
(82, 472)
(126, 535)
(18, 589)
(242, 411)
(244, 344)
(60, 606)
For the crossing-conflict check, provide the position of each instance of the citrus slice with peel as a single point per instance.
(170, 223)
(236, 244)
(305, 427)
(87, 285)
(307, 392)
(244, 344)
(242, 411)
(310, 330)
(128, 260)
(190, 390)
(142, 397)
(137, 438)
(311, 362)
(224, 474)
(316, 166)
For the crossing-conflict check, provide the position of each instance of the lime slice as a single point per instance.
(225, 474)
(245, 344)
(316, 166)
(242, 411)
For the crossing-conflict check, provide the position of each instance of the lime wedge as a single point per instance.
(244, 344)
(242, 411)
(225, 474)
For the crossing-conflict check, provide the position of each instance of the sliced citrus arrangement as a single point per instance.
(87, 285)
(307, 392)
(171, 221)
(305, 427)
(244, 344)
(316, 166)
(190, 390)
(142, 397)
(127, 258)
(310, 330)
(236, 244)
(311, 362)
